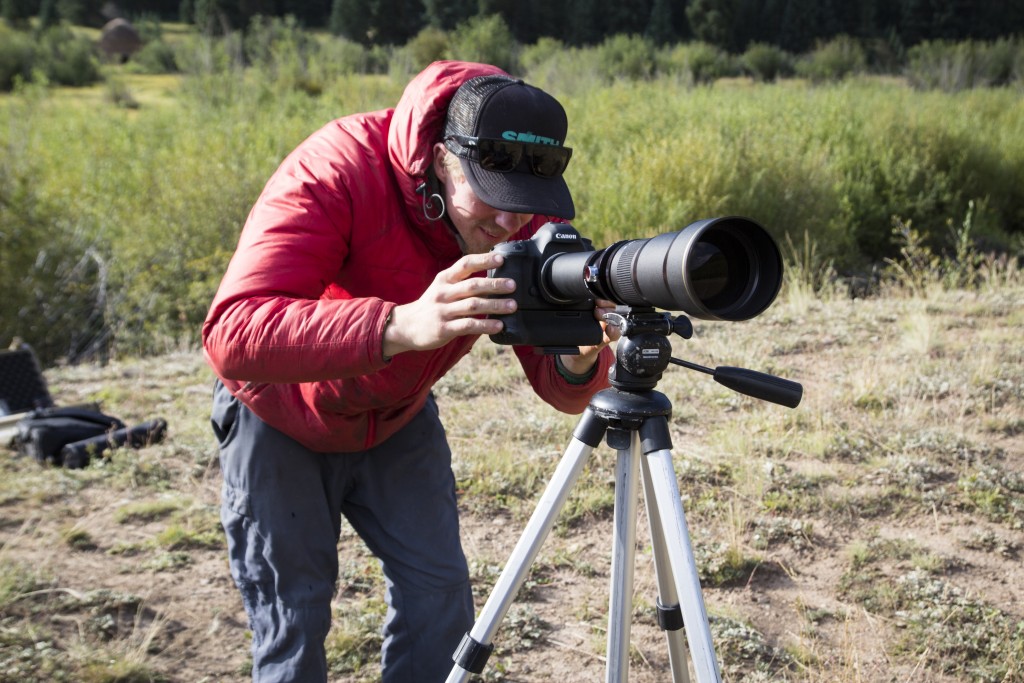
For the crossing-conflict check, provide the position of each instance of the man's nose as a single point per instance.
(512, 222)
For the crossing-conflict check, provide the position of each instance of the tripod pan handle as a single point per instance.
(760, 385)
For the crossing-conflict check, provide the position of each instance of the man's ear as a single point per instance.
(440, 170)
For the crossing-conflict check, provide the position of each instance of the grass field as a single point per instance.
(871, 534)
(153, 175)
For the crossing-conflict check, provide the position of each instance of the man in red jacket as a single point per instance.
(355, 286)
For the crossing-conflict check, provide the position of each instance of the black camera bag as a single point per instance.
(44, 432)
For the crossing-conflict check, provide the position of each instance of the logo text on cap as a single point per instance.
(513, 136)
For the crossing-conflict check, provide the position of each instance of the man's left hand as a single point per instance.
(581, 364)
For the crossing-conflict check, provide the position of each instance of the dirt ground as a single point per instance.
(104, 589)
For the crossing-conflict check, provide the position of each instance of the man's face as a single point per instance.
(479, 226)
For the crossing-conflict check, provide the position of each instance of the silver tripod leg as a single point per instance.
(523, 555)
(676, 535)
(620, 605)
(667, 598)
(627, 469)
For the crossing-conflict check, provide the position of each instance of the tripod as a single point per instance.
(634, 418)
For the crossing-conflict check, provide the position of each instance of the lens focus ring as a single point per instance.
(623, 278)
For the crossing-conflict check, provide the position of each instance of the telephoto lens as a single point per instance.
(726, 268)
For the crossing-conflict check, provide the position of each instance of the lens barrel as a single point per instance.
(726, 268)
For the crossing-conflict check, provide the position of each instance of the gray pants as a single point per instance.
(281, 511)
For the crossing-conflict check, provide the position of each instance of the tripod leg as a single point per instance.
(620, 606)
(476, 646)
(669, 611)
(684, 567)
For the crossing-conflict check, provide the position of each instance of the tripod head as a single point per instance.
(644, 352)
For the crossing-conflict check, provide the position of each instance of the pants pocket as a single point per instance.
(224, 415)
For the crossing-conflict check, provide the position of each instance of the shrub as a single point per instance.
(484, 39)
(833, 61)
(957, 66)
(274, 41)
(697, 63)
(566, 70)
(155, 57)
(339, 56)
(61, 56)
(427, 46)
(17, 55)
(53, 284)
(626, 57)
(68, 59)
(766, 62)
(204, 55)
(544, 50)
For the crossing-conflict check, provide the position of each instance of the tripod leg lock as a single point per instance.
(471, 655)
(670, 618)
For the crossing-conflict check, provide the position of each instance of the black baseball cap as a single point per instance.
(509, 137)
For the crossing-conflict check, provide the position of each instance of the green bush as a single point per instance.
(697, 62)
(560, 69)
(833, 61)
(427, 46)
(484, 39)
(69, 59)
(155, 57)
(766, 62)
(950, 66)
(153, 199)
(626, 57)
(53, 282)
(341, 57)
(60, 55)
(17, 57)
(270, 42)
(838, 162)
(283, 55)
(205, 55)
(544, 50)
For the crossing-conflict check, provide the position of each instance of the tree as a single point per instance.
(17, 12)
(308, 12)
(712, 21)
(351, 19)
(582, 25)
(48, 14)
(800, 25)
(214, 16)
(395, 22)
(659, 26)
(619, 17)
(82, 12)
(485, 39)
(447, 14)
(528, 20)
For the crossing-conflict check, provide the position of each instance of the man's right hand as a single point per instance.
(450, 306)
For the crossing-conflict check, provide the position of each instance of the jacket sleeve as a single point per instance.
(269, 321)
(551, 386)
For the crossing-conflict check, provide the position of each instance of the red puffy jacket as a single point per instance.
(335, 241)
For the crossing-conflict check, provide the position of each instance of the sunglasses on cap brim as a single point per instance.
(504, 156)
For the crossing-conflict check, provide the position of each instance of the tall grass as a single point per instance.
(835, 162)
(160, 193)
(157, 194)
(970, 64)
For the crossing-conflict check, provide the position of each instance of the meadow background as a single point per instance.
(871, 534)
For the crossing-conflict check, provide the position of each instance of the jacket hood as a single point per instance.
(418, 122)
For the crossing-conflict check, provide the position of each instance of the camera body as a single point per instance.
(542, 317)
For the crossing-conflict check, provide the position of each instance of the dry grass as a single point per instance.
(872, 534)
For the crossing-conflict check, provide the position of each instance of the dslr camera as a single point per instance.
(726, 268)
